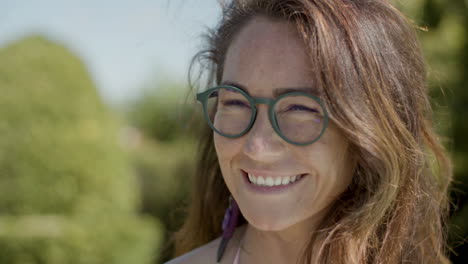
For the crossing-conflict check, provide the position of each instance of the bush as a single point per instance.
(164, 113)
(67, 191)
(165, 124)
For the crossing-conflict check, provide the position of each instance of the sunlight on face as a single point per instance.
(264, 56)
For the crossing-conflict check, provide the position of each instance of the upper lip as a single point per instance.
(269, 173)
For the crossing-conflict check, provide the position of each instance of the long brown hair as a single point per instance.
(366, 59)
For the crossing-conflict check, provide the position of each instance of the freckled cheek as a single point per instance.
(226, 151)
(225, 148)
(326, 186)
(332, 179)
(321, 167)
(314, 159)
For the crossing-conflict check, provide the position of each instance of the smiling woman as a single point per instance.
(319, 140)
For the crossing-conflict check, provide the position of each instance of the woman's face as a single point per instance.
(264, 56)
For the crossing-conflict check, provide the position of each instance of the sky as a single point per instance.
(123, 43)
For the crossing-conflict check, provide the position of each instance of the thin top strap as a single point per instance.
(236, 258)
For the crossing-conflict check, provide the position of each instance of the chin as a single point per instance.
(269, 223)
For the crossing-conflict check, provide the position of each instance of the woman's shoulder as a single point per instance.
(207, 253)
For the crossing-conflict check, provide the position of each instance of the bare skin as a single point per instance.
(207, 253)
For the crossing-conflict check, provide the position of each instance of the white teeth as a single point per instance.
(278, 181)
(260, 180)
(254, 180)
(269, 181)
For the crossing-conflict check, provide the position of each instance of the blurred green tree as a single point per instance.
(67, 191)
(445, 45)
(164, 113)
(166, 124)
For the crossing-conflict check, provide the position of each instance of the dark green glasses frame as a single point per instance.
(203, 99)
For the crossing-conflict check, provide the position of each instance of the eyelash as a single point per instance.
(303, 108)
(234, 102)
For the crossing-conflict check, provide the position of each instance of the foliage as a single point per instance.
(164, 113)
(67, 192)
(445, 45)
(164, 155)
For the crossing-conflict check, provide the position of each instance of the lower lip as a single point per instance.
(270, 189)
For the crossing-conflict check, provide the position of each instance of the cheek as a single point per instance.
(226, 149)
(223, 147)
(329, 166)
(338, 172)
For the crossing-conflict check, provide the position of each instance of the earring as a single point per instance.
(229, 225)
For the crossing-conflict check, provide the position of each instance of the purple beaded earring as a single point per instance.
(229, 225)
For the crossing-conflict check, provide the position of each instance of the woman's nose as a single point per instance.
(263, 143)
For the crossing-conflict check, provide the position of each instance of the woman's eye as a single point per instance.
(302, 108)
(234, 103)
(214, 94)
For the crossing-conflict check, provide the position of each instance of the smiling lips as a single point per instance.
(272, 181)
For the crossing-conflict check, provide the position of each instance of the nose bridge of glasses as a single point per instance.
(261, 100)
(267, 102)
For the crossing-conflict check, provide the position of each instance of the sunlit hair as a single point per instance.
(366, 59)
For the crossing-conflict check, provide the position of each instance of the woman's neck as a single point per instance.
(284, 246)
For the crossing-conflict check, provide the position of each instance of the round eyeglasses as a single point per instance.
(297, 117)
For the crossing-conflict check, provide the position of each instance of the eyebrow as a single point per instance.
(279, 91)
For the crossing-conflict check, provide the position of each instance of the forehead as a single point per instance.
(267, 55)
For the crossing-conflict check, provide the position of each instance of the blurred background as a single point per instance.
(97, 145)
